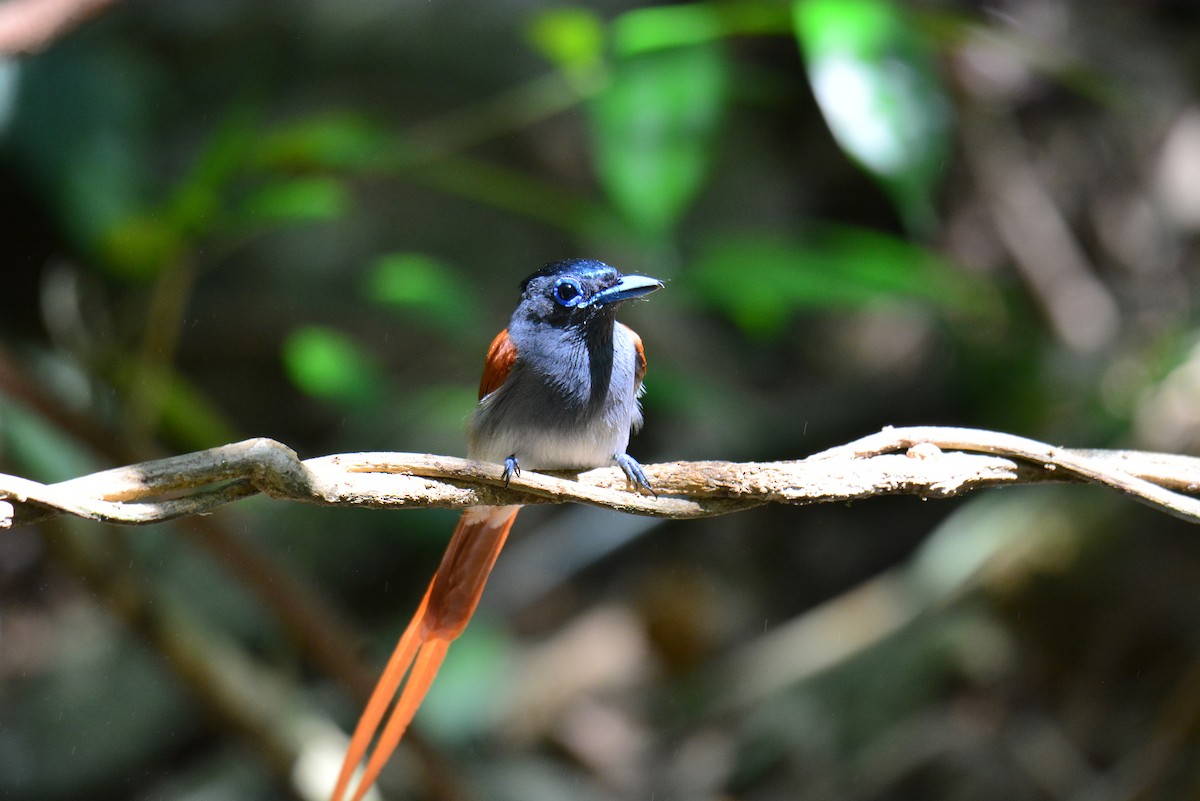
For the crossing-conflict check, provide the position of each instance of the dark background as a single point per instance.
(306, 220)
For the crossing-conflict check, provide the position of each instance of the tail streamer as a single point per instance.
(444, 612)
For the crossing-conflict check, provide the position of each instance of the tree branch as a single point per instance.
(931, 462)
(30, 26)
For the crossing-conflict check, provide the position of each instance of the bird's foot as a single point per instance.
(511, 468)
(634, 474)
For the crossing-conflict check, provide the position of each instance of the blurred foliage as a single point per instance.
(654, 127)
(418, 284)
(571, 38)
(833, 268)
(873, 77)
(307, 220)
(328, 364)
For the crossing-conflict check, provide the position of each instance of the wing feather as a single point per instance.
(501, 356)
(639, 367)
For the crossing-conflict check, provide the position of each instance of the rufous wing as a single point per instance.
(639, 367)
(501, 356)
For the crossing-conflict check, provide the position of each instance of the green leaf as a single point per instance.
(570, 38)
(417, 283)
(328, 364)
(335, 141)
(297, 200)
(657, 27)
(654, 130)
(197, 204)
(874, 79)
(760, 282)
(139, 247)
(144, 243)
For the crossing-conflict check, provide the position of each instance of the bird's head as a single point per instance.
(573, 292)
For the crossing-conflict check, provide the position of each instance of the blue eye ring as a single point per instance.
(567, 292)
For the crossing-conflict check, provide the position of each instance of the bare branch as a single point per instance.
(931, 462)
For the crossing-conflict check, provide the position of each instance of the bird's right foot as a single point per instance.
(511, 468)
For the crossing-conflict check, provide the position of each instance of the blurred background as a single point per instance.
(306, 220)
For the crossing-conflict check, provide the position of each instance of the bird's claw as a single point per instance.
(634, 474)
(511, 468)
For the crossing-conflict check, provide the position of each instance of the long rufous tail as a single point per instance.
(443, 614)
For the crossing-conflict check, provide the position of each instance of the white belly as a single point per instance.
(547, 427)
(553, 450)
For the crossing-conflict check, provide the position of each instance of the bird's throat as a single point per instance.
(597, 345)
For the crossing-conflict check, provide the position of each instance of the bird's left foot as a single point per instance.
(634, 474)
(511, 468)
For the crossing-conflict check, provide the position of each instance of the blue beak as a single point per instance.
(628, 288)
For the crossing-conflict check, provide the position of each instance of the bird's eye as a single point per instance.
(567, 292)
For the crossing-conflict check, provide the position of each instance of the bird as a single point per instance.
(560, 390)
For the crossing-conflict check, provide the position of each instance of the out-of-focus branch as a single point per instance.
(1078, 306)
(929, 462)
(292, 737)
(29, 26)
